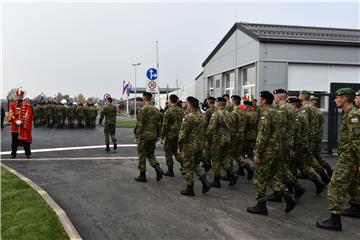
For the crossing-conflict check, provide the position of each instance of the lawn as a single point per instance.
(130, 123)
(24, 214)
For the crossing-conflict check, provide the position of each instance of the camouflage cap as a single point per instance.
(314, 98)
(357, 93)
(344, 91)
(305, 92)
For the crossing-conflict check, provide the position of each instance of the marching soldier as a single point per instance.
(43, 114)
(346, 175)
(191, 143)
(109, 112)
(92, 114)
(267, 153)
(147, 132)
(50, 112)
(37, 115)
(71, 114)
(61, 114)
(87, 114)
(173, 117)
(80, 112)
(219, 131)
(228, 106)
(208, 113)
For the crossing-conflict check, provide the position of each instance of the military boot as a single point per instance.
(107, 149)
(141, 177)
(324, 177)
(299, 190)
(115, 146)
(328, 169)
(250, 171)
(333, 223)
(275, 197)
(290, 202)
(290, 186)
(216, 183)
(189, 191)
(205, 184)
(260, 208)
(232, 177)
(352, 211)
(169, 172)
(240, 171)
(159, 172)
(319, 186)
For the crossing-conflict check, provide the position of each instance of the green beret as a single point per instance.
(314, 98)
(305, 92)
(357, 93)
(344, 91)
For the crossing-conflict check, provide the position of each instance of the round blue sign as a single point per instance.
(152, 74)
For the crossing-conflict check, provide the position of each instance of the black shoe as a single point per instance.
(319, 186)
(233, 178)
(141, 177)
(240, 171)
(329, 170)
(260, 208)
(107, 149)
(216, 183)
(274, 197)
(115, 146)
(299, 190)
(13, 156)
(352, 211)
(333, 223)
(290, 202)
(189, 191)
(169, 172)
(159, 172)
(324, 177)
(250, 171)
(205, 184)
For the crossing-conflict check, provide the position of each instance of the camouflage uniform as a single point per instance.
(191, 143)
(92, 116)
(346, 175)
(109, 112)
(228, 108)
(37, 115)
(60, 114)
(147, 131)
(87, 110)
(80, 116)
(219, 131)
(209, 112)
(237, 139)
(319, 130)
(43, 115)
(71, 115)
(251, 120)
(50, 113)
(170, 131)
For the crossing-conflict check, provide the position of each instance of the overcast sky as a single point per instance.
(89, 47)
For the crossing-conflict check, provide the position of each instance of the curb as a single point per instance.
(60, 213)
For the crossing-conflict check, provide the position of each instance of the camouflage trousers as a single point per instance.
(170, 148)
(191, 163)
(249, 146)
(146, 149)
(221, 158)
(317, 154)
(49, 121)
(345, 179)
(264, 176)
(71, 121)
(80, 121)
(285, 173)
(302, 162)
(237, 153)
(109, 130)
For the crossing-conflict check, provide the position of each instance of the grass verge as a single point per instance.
(24, 214)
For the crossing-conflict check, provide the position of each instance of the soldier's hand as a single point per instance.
(136, 141)
(257, 160)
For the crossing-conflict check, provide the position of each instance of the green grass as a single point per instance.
(24, 214)
(126, 123)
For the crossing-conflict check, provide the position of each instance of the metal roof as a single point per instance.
(293, 34)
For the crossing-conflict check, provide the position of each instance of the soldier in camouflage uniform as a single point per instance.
(346, 175)
(208, 113)
(300, 148)
(60, 115)
(191, 143)
(50, 113)
(304, 96)
(92, 115)
(219, 131)
(43, 114)
(228, 106)
(267, 153)
(37, 115)
(87, 111)
(319, 130)
(357, 99)
(147, 132)
(80, 113)
(109, 112)
(173, 117)
(71, 114)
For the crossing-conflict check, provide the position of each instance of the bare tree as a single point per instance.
(81, 98)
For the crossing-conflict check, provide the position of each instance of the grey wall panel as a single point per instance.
(271, 75)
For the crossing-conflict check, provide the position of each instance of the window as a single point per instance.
(217, 83)
(229, 78)
(249, 82)
(211, 85)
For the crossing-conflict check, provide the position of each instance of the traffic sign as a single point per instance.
(152, 86)
(152, 74)
(106, 95)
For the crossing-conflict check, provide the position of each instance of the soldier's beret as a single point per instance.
(305, 92)
(220, 99)
(280, 90)
(344, 91)
(314, 98)
(226, 95)
(236, 97)
(293, 100)
(267, 95)
(357, 93)
(248, 103)
(147, 94)
(193, 101)
(211, 98)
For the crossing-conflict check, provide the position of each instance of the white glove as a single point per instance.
(18, 122)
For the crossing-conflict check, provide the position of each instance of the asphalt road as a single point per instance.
(104, 202)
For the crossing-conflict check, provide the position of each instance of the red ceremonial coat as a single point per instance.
(24, 112)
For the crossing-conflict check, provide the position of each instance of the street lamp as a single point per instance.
(135, 65)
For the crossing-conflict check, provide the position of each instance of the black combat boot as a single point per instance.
(240, 171)
(319, 186)
(159, 172)
(260, 208)
(290, 186)
(250, 171)
(107, 149)
(141, 177)
(189, 191)
(299, 190)
(232, 177)
(352, 211)
(115, 146)
(275, 197)
(324, 177)
(216, 183)
(333, 223)
(169, 172)
(205, 184)
(290, 202)
(328, 169)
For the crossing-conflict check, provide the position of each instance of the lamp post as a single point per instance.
(135, 65)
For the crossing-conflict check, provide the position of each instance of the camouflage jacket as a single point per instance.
(93, 112)
(239, 123)
(208, 113)
(80, 111)
(148, 124)
(71, 111)
(173, 117)
(60, 110)
(349, 137)
(288, 116)
(37, 112)
(319, 125)
(191, 136)
(301, 131)
(220, 127)
(311, 116)
(109, 112)
(50, 110)
(251, 124)
(228, 108)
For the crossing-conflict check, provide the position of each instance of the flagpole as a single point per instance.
(157, 66)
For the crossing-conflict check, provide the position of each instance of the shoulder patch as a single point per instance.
(354, 120)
